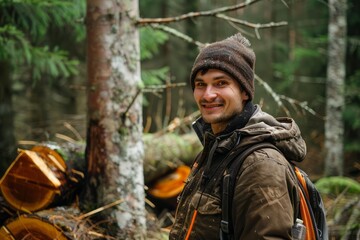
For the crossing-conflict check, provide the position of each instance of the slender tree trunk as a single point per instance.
(334, 126)
(114, 141)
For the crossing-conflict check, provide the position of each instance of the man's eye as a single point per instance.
(199, 84)
(221, 83)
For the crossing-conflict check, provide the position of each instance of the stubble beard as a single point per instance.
(222, 119)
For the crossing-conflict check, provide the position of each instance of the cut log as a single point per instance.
(165, 153)
(171, 185)
(165, 190)
(51, 224)
(35, 180)
(31, 227)
(40, 178)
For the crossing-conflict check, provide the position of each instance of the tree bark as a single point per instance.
(167, 152)
(334, 125)
(114, 142)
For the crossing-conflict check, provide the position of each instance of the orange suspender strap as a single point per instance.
(304, 211)
(191, 225)
(302, 181)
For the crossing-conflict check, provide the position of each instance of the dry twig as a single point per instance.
(100, 209)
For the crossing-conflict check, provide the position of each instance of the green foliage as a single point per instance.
(336, 185)
(309, 60)
(54, 63)
(352, 89)
(150, 41)
(10, 40)
(352, 113)
(35, 17)
(24, 36)
(18, 51)
(303, 54)
(352, 98)
(155, 76)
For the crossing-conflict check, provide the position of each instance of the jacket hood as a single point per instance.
(283, 132)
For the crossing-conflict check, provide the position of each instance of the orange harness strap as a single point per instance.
(304, 211)
(302, 181)
(191, 225)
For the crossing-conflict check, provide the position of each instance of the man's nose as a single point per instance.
(210, 93)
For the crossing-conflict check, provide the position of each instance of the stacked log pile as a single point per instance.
(38, 190)
(39, 179)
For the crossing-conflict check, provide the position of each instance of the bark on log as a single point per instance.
(163, 153)
(166, 152)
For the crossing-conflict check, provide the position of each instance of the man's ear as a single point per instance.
(244, 95)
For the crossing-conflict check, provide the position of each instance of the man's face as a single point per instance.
(218, 97)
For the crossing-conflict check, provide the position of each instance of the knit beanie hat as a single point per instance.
(232, 55)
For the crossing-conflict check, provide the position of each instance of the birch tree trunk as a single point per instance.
(114, 142)
(334, 126)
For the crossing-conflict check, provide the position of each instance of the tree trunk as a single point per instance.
(334, 126)
(114, 150)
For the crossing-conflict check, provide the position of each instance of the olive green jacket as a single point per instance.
(265, 200)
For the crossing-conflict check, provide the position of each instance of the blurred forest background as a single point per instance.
(43, 70)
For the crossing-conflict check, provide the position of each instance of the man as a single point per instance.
(265, 201)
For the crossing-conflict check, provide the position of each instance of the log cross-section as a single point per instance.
(35, 179)
(31, 227)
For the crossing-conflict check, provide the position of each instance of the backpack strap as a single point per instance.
(229, 179)
(311, 207)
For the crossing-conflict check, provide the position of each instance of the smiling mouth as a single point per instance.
(211, 106)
